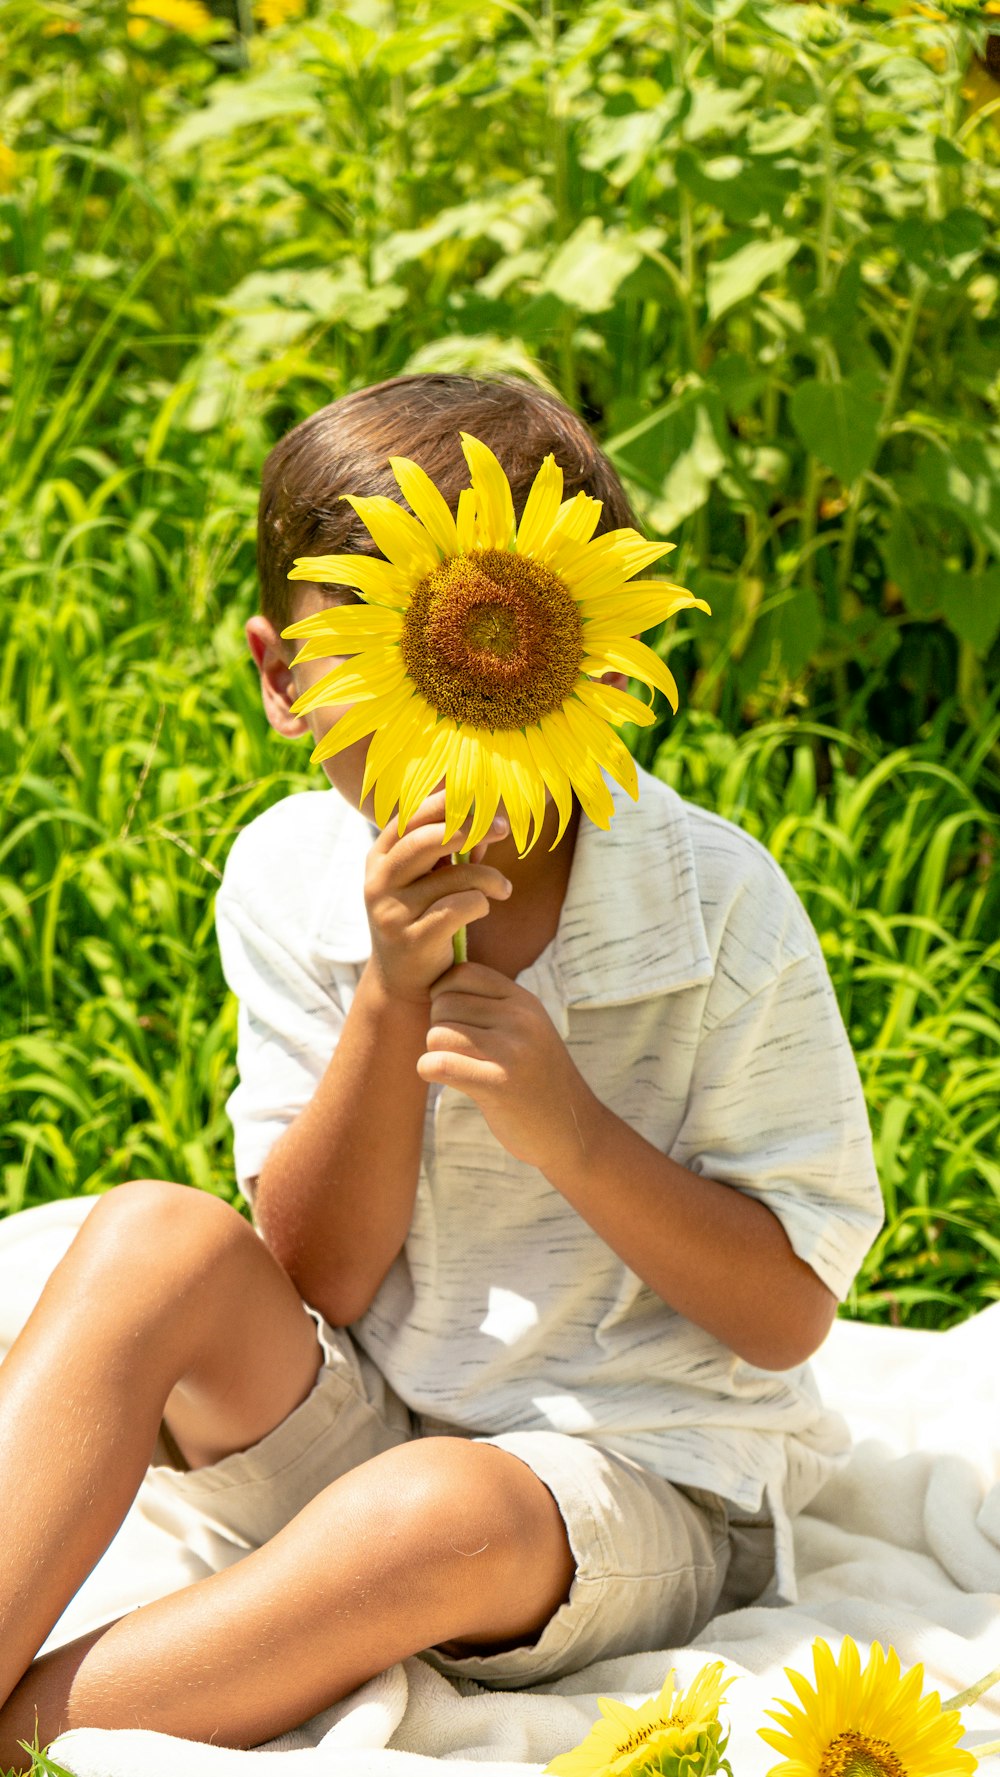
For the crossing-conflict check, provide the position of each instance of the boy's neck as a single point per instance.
(542, 872)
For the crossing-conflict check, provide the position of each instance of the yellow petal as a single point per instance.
(353, 725)
(609, 561)
(613, 705)
(401, 537)
(493, 496)
(541, 507)
(395, 739)
(428, 503)
(387, 789)
(424, 772)
(588, 784)
(460, 783)
(340, 624)
(639, 662)
(377, 581)
(603, 745)
(634, 611)
(487, 786)
(465, 523)
(578, 518)
(359, 679)
(532, 782)
(553, 777)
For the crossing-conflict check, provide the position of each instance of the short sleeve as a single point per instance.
(289, 1024)
(776, 1108)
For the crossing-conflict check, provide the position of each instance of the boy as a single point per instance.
(568, 1220)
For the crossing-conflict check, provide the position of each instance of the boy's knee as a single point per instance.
(151, 1225)
(478, 1504)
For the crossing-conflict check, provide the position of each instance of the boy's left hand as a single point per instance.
(495, 1042)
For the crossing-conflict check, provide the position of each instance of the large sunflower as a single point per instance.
(478, 646)
(870, 1723)
(673, 1735)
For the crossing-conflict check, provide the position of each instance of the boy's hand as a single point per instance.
(495, 1041)
(417, 899)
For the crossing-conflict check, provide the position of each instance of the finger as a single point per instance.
(459, 1039)
(462, 1011)
(458, 879)
(476, 978)
(420, 850)
(462, 1072)
(447, 917)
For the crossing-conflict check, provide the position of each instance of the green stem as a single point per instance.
(460, 942)
(972, 1695)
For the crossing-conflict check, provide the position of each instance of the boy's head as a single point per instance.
(345, 449)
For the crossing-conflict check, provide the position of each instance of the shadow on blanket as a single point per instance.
(902, 1547)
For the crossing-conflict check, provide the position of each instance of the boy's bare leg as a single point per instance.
(438, 1540)
(166, 1305)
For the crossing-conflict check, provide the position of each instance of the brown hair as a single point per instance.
(344, 449)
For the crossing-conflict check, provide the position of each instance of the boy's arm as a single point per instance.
(334, 1197)
(702, 1235)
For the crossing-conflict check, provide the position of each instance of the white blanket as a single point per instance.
(903, 1547)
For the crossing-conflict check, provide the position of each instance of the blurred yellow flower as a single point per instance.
(668, 1735)
(188, 16)
(870, 1723)
(270, 13)
(478, 645)
(8, 167)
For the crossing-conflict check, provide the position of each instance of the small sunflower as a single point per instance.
(673, 1735)
(871, 1723)
(478, 646)
(187, 16)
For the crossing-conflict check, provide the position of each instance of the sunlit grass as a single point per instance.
(895, 861)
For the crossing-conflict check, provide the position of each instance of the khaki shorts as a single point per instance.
(652, 1559)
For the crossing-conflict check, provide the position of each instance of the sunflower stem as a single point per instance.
(973, 1694)
(460, 942)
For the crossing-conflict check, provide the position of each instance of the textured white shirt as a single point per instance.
(689, 986)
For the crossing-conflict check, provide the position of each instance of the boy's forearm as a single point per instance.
(335, 1196)
(716, 1255)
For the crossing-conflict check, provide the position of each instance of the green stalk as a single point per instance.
(460, 942)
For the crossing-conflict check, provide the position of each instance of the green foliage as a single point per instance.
(894, 857)
(753, 242)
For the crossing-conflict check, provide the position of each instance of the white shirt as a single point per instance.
(690, 989)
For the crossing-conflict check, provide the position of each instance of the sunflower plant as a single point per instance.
(677, 1734)
(869, 1723)
(477, 654)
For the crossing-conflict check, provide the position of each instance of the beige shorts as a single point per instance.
(653, 1561)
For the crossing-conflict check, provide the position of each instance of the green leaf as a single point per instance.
(730, 280)
(913, 567)
(966, 479)
(838, 422)
(778, 132)
(944, 250)
(971, 606)
(589, 267)
(717, 108)
(233, 105)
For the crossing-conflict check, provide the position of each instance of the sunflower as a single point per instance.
(865, 1724)
(188, 16)
(666, 1734)
(477, 648)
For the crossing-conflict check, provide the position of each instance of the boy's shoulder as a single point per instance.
(283, 867)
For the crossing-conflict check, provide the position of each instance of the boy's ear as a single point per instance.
(277, 686)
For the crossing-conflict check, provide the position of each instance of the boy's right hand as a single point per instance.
(416, 899)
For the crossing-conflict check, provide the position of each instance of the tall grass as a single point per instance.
(753, 243)
(894, 858)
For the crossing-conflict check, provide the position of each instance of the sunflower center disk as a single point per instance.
(854, 1755)
(493, 639)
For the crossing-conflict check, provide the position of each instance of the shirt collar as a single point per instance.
(631, 924)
